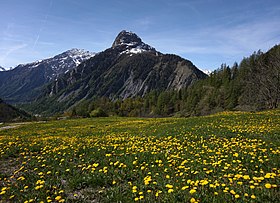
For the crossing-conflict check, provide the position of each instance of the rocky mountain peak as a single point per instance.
(127, 39)
(130, 43)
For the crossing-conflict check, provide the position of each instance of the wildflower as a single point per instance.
(170, 190)
(192, 191)
(268, 185)
(192, 200)
(2, 192)
(169, 186)
(57, 198)
(4, 188)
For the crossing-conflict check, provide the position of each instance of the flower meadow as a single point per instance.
(226, 157)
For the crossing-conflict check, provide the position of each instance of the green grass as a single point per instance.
(227, 157)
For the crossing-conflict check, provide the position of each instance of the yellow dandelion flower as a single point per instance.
(2, 192)
(170, 190)
(268, 185)
(169, 186)
(192, 191)
(57, 198)
(192, 200)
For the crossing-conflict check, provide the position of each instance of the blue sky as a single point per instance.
(207, 32)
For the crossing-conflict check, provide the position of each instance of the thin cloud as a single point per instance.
(239, 39)
(42, 25)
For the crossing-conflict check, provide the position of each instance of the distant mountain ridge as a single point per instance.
(127, 69)
(19, 84)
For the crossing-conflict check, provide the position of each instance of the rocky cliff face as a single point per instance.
(127, 69)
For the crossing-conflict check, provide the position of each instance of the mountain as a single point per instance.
(2, 69)
(127, 69)
(10, 113)
(20, 84)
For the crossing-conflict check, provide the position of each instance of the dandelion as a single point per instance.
(170, 190)
(57, 198)
(192, 191)
(192, 200)
(169, 186)
(2, 192)
(268, 185)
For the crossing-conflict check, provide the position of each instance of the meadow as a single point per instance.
(226, 157)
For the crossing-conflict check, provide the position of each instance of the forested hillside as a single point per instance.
(9, 113)
(252, 85)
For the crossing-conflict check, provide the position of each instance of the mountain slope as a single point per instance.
(19, 84)
(10, 113)
(129, 68)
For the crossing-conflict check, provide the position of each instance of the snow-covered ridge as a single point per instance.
(61, 63)
(75, 56)
(2, 69)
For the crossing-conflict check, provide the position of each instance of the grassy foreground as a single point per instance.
(227, 157)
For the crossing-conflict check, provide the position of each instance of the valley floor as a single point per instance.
(227, 157)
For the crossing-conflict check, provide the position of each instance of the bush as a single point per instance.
(98, 113)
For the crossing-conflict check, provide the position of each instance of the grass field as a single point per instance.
(227, 157)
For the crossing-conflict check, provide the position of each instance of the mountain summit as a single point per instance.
(131, 43)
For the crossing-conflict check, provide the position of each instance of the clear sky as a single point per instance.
(207, 32)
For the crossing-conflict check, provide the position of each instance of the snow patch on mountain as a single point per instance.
(60, 64)
(2, 69)
(207, 72)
